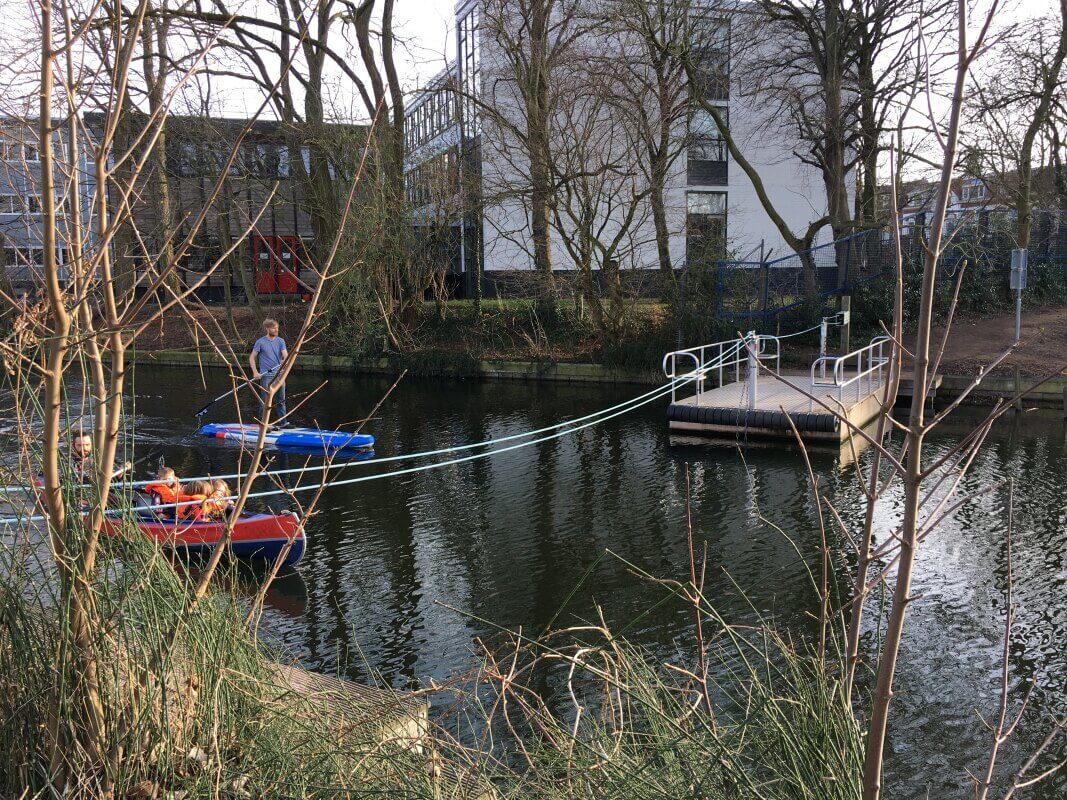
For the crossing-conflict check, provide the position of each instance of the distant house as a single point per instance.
(974, 195)
(258, 211)
(982, 218)
(21, 234)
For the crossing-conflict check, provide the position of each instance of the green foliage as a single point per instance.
(1046, 283)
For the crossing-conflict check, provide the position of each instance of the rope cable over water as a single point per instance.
(587, 421)
(633, 401)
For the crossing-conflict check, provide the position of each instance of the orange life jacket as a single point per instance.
(165, 493)
(194, 510)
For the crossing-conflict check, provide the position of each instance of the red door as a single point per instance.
(265, 264)
(276, 262)
(288, 264)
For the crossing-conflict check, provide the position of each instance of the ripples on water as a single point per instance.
(506, 540)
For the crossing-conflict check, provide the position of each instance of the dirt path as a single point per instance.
(973, 343)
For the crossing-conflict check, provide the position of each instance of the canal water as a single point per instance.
(404, 576)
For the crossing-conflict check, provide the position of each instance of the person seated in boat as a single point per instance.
(218, 504)
(167, 490)
(81, 459)
(199, 491)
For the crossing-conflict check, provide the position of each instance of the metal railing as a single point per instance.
(835, 371)
(718, 357)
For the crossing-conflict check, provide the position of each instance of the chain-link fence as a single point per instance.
(763, 289)
(984, 241)
(979, 242)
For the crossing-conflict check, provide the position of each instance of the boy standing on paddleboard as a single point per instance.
(272, 352)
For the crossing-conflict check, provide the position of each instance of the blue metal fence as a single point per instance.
(763, 289)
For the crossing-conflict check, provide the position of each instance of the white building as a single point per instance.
(455, 140)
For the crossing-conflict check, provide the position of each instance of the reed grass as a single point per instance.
(204, 717)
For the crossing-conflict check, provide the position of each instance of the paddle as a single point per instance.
(224, 395)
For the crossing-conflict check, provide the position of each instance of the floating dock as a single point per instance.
(734, 389)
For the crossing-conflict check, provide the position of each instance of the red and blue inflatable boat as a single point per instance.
(256, 537)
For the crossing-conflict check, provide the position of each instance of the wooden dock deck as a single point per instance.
(754, 399)
(725, 411)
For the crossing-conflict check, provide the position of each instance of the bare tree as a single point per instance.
(1013, 121)
(533, 42)
(654, 90)
(915, 473)
(91, 319)
(602, 192)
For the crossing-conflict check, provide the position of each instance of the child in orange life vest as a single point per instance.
(217, 505)
(167, 489)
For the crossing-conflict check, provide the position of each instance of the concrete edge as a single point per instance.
(564, 372)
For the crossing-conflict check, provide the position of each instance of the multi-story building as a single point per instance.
(258, 211)
(21, 234)
(468, 171)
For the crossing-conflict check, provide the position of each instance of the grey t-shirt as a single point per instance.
(270, 352)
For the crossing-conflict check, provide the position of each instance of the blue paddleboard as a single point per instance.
(296, 438)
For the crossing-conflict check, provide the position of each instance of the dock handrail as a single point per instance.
(870, 361)
(719, 356)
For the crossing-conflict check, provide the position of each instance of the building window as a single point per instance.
(12, 150)
(265, 161)
(469, 65)
(707, 151)
(705, 229)
(17, 204)
(24, 256)
(712, 57)
(433, 181)
(432, 117)
(973, 192)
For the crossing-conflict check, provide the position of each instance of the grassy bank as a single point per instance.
(453, 337)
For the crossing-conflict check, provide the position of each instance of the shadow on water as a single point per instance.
(508, 539)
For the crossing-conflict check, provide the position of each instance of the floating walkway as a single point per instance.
(739, 391)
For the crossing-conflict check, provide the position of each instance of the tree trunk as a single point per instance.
(153, 38)
(663, 235)
(225, 236)
(86, 729)
(125, 265)
(914, 437)
(536, 95)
